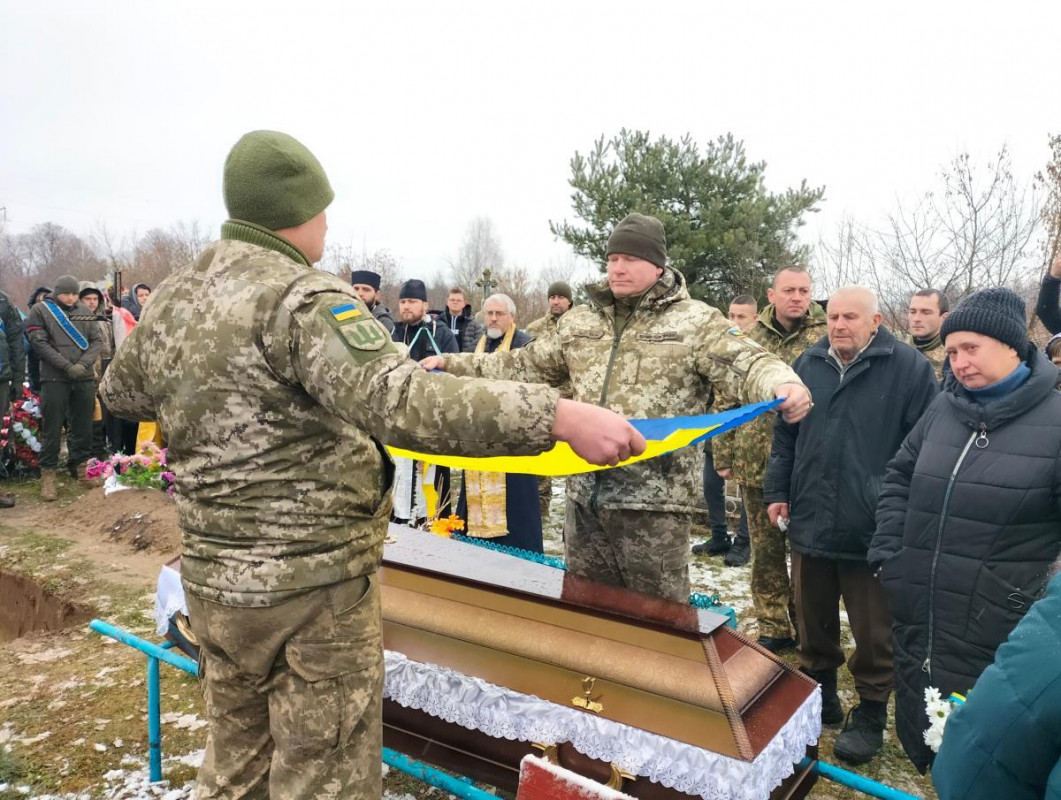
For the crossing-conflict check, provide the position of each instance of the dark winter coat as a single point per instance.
(131, 302)
(55, 348)
(1005, 742)
(969, 521)
(1048, 308)
(468, 327)
(12, 347)
(33, 362)
(421, 347)
(829, 466)
(383, 316)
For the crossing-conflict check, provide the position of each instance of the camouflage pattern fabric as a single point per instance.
(540, 328)
(746, 450)
(934, 351)
(671, 357)
(546, 326)
(770, 585)
(647, 551)
(294, 695)
(275, 386)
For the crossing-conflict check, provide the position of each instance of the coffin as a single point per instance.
(491, 657)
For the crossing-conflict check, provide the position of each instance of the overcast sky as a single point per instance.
(426, 115)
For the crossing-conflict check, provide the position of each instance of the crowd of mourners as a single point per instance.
(58, 349)
(920, 494)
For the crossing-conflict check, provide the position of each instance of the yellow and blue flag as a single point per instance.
(662, 435)
(345, 312)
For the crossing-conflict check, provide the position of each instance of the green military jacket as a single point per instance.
(275, 387)
(672, 356)
(933, 350)
(746, 450)
(544, 326)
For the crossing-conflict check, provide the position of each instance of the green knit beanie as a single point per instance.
(641, 236)
(272, 180)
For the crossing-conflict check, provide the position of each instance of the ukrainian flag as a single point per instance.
(663, 435)
(345, 312)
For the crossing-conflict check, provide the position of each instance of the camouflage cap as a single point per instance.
(273, 180)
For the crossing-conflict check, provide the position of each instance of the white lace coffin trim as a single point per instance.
(507, 714)
(169, 599)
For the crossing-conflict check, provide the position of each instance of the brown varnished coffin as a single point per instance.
(663, 667)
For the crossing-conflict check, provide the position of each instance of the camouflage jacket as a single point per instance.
(546, 326)
(746, 450)
(933, 350)
(672, 355)
(275, 386)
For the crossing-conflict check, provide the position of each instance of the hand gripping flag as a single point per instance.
(663, 435)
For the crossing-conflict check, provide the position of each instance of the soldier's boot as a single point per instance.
(863, 732)
(77, 472)
(741, 551)
(832, 710)
(715, 546)
(48, 490)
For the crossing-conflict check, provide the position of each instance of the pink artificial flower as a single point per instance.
(169, 476)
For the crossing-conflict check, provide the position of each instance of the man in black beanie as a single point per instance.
(366, 283)
(67, 340)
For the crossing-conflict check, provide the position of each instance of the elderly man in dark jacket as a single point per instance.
(969, 518)
(824, 476)
(67, 339)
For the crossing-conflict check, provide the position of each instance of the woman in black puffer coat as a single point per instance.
(969, 521)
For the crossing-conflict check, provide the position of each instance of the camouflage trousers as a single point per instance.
(770, 585)
(647, 551)
(293, 695)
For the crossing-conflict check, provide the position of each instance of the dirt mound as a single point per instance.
(137, 520)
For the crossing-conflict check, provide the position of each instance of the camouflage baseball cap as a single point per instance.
(273, 180)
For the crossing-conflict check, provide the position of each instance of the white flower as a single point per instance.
(934, 738)
(932, 695)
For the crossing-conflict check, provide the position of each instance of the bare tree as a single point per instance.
(480, 250)
(978, 231)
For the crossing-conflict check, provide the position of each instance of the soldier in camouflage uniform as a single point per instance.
(644, 348)
(788, 326)
(928, 308)
(559, 298)
(276, 387)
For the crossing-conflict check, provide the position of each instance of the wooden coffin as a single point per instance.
(623, 658)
